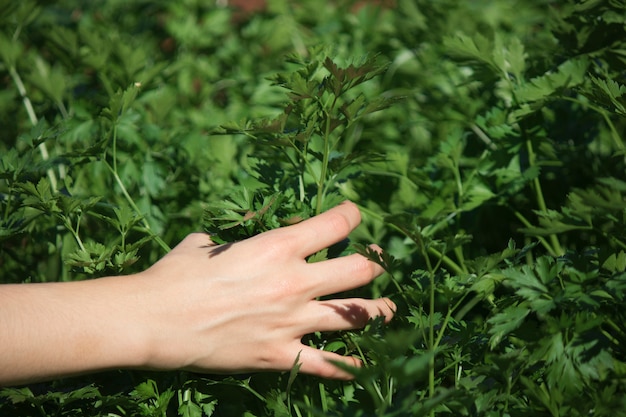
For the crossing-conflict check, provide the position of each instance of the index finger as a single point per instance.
(323, 230)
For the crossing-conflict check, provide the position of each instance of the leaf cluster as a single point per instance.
(495, 184)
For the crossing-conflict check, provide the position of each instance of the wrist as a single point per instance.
(124, 322)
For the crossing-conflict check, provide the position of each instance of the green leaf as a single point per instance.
(552, 222)
(92, 259)
(120, 102)
(50, 79)
(10, 51)
(614, 92)
(616, 262)
(531, 287)
(40, 196)
(17, 395)
(510, 58)
(476, 194)
(569, 74)
(503, 323)
(476, 47)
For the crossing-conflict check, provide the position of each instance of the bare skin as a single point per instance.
(223, 309)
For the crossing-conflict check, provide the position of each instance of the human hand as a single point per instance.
(230, 308)
(245, 306)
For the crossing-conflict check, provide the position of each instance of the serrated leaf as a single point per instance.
(553, 222)
(503, 323)
(147, 389)
(293, 373)
(318, 256)
(569, 74)
(120, 102)
(614, 92)
(616, 262)
(477, 194)
(532, 288)
(125, 259)
(486, 284)
(509, 58)
(476, 47)
(17, 395)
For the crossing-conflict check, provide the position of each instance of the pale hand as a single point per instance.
(229, 308)
(247, 305)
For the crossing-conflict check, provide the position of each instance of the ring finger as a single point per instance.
(344, 314)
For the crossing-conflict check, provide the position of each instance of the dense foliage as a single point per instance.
(483, 141)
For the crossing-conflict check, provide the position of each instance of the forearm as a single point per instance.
(59, 329)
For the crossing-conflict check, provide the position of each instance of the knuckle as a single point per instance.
(198, 239)
(275, 245)
(195, 237)
(284, 289)
(364, 267)
(340, 223)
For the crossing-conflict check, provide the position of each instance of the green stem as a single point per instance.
(325, 157)
(323, 399)
(611, 338)
(458, 251)
(380, 395)
(446, 320)
(129, 199)
(247, 386)
(431, 319)
(541, 239)
(541, 202)
(131, 202)
(550, 249)
(78, 230)
(9, 197)
(300, 166)
(458, 270)
(615, 327)
(615, 240)
(443, 258)
(63, 110)
(431, 335)
(42, 410)
(32, 116)
(616, 137)
(459, 181)
(115, 148)
(358, 348)
(68, 225)
(483, 136)
(303, 160)
(468, 307)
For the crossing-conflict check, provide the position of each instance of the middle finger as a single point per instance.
(340, 274)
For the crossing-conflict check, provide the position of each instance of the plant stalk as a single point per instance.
(541, 202)
(34, 120)
(129, 199)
